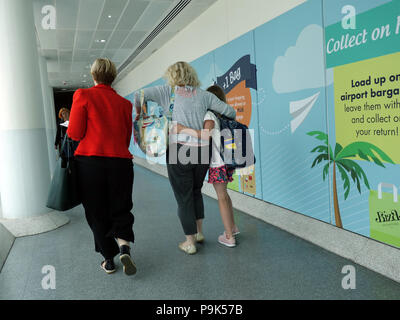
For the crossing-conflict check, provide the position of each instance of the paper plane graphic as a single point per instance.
(300, 109)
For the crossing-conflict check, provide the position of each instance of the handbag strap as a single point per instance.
(171, 101)
(63, 143)
(66, 141)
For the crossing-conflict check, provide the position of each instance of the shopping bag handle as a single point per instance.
(143, 109)
(387, 185)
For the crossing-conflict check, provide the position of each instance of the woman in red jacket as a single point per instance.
(102, 121)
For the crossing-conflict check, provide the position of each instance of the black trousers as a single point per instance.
(105, 185)
(186, 176)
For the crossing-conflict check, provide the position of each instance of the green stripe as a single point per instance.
(376, 18)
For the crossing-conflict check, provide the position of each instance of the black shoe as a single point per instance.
(108, 266)
(126, 260)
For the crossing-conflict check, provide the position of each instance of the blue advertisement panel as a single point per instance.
(362, 39)
(291, 92)
(205, 69)
(319, 86)
(235, 69)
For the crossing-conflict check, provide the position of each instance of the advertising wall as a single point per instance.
(319, 86)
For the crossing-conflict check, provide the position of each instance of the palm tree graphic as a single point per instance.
(341, 160)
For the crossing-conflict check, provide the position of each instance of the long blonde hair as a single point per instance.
(182, 74)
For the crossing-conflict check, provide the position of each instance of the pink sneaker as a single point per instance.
(235, 231)
(231, 242)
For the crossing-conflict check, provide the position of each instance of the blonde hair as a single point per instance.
(103, 71)
(181, 74)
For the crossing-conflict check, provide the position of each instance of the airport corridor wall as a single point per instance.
(319, 86)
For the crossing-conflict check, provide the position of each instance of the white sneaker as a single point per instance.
(199, 237)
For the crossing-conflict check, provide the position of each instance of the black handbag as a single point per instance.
(63, 193)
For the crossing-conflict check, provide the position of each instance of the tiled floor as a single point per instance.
(268, 263)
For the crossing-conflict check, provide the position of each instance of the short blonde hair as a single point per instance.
(181, 74)
(103, 71)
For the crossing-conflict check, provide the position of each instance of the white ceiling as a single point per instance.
(80, 24)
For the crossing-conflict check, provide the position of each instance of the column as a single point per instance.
(49, 113)
(24, 159)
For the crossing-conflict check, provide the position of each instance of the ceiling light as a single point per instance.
(109, 16)
(100, 41)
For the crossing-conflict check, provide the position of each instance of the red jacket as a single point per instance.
(102, 121)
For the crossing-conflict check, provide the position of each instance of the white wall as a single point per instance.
(221, 23)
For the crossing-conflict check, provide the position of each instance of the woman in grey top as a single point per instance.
(187, 156)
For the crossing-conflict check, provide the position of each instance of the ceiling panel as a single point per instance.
(50, 54)
(89, 12)
(133, 39)
(99, 37)
(84, 39)
(81, 55)
(53, 75)
(121, 55)
(124, 24)
(65, 67)
(47, 38)
(65, 38)
(109, 54)
(78, 67)
(111, 14)
(152, 15)
(132, 13)
(65, 55)
(53, 66)
(94, 53)
(67, 13)
(117, 39)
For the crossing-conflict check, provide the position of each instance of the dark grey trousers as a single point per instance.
(186, 175)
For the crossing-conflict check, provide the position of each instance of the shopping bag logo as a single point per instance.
(384, 212)
(387, 217)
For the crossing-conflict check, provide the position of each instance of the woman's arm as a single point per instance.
(203, 134)
(159, 94)
(219, 106)
(78, 118)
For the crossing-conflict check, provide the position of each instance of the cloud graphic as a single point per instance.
(302, 66)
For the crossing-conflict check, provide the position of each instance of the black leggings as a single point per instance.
(186, 181)
(105, 185)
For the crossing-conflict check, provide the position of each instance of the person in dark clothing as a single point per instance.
(67, 151)
(63, 116)
(102, 121)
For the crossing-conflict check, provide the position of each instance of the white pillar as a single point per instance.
(49, 113)
(24, 165)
